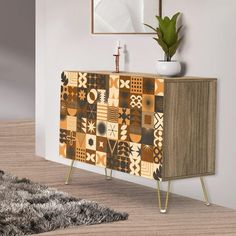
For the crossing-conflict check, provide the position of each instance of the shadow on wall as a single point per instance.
(17, 59)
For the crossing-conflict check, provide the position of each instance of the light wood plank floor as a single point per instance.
(186, 216)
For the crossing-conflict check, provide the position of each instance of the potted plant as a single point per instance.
(169, 40)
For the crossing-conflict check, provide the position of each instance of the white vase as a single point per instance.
(168, 68)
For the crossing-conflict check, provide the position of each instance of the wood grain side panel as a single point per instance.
(189, 129)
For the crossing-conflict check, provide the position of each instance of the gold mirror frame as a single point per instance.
(92, 20)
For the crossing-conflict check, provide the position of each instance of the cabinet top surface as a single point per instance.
(170, 79)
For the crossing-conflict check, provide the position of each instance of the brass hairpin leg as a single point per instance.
(69, 173)
(163, 210)
(207, 203)
(110, 176)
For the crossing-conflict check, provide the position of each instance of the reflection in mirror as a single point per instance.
(124, 16)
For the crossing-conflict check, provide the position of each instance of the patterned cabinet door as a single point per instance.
(113, 121)
(68, 115)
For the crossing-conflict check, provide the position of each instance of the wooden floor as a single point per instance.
(186, 216)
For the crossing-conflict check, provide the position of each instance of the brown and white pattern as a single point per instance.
(113, 121)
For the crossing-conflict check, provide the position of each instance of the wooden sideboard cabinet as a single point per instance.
(141, 124)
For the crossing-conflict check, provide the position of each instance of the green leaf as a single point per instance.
(166, 20)
(159, 33)
(150, 27)
(161, 24)
(173, 49)
(162, 44)
(170, 36)
(164, 25)
(178, 30)
(175, 16)
(159, 19)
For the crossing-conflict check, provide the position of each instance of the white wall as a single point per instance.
(40, 81)
(17, 64)
(63, 28)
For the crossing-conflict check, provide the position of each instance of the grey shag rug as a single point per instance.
(30, 208)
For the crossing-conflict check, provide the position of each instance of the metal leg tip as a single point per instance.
(108, 177)
(163, 211)
(207, 203)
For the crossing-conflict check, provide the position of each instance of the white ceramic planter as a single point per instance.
(168, 68)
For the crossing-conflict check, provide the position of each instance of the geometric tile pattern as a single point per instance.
(114, 121)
